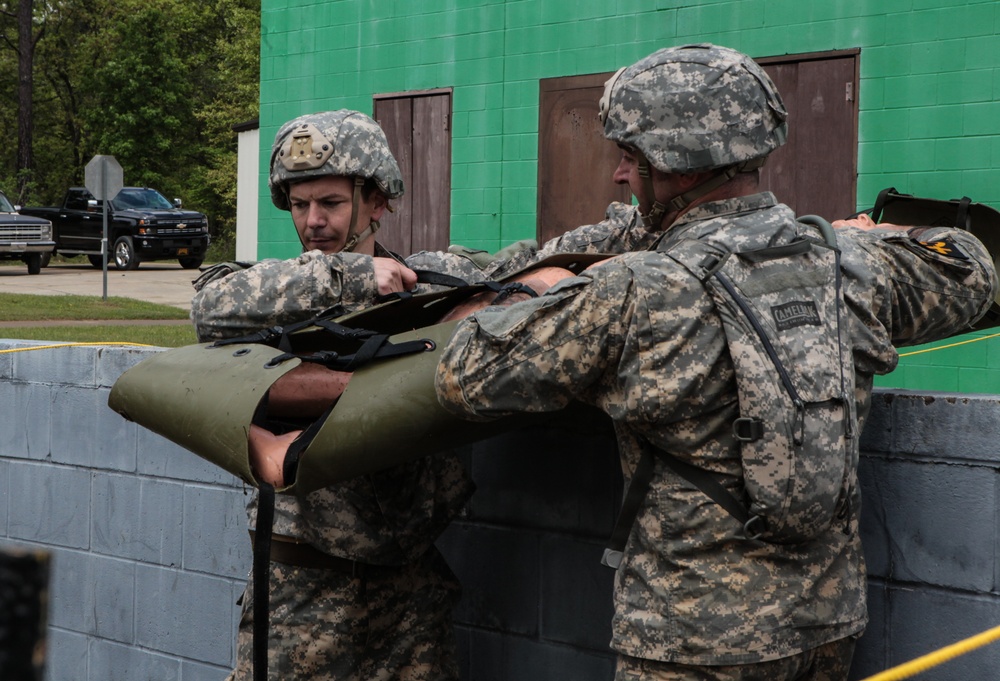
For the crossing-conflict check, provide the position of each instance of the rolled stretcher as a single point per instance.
(205, 397)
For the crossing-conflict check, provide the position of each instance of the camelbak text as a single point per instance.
(795, 313)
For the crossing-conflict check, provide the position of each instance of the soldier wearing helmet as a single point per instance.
(688, 120)
(357, 588)
(699, 593)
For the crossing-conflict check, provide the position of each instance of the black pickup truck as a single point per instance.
(142, 225)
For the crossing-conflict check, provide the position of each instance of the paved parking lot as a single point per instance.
(165, 283)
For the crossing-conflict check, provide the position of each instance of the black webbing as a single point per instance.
(639, 487)
(262, 579)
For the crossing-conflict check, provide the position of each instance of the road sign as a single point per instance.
(103, 177)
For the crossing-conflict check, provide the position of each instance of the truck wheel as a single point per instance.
(96, 261)
(191, 263)
(34, 261)
(125, 257)
(46, 259)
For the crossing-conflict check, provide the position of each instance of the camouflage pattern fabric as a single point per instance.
(388, 519)
(830, 662)
(389, 626)
(621, 231)
(694, 108)
(638, 337)
(233, 301)
(344, 143)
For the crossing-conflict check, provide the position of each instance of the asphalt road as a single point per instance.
(166, 283)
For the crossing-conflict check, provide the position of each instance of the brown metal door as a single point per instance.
(575, 161)
(815, 172)
(418, 128)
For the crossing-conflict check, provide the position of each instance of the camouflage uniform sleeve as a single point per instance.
(512, 359)
(275, 292)
(939, 281)
(457, 264)
(620, 232)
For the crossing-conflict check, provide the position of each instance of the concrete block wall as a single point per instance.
(150, 550)
(929, 475)
(148, 542)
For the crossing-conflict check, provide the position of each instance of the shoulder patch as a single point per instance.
(945, 247)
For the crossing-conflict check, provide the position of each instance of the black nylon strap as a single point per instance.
(963, 220)
(439, 279)
(639, 487)
(261, 579)
(708, 484)
(880, 203)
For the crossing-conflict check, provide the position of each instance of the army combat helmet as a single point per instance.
(345, 143)
(690, 109)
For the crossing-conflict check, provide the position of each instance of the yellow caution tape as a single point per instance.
(69, 345)
(929, 660)
(950, 345)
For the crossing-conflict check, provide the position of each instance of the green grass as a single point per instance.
(41, 309)
(27, 308)
(172, 336)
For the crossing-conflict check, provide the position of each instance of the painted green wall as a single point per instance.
(929, 95)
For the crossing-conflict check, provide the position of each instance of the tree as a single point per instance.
(156, 83)
(25, 50)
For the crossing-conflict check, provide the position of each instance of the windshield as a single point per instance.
(5, 206)
(132, 199)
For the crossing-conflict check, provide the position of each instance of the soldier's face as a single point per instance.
(321, 211)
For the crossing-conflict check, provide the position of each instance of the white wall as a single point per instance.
(246, 194)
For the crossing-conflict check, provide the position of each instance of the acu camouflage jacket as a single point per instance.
(638, 336)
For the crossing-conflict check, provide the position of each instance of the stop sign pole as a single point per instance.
(103, 178)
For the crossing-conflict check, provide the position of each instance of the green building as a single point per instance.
(487, 104)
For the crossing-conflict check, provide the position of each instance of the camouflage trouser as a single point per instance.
(830, 662)
(392, 625)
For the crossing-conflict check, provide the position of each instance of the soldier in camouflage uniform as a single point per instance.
(357, 589)
(639, 337)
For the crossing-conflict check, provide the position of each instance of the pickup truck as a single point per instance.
(24, 238)
(142, 225)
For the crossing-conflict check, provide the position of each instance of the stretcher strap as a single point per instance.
(262, 579)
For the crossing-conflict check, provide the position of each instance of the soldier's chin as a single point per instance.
(328, 246)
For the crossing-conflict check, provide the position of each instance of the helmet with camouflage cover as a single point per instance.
(695, 108)
(341, 143)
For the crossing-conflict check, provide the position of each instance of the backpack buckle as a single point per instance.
(748, 429)
(611, 558)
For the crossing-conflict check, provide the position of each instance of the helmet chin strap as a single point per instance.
(353, 237)
(654, 217)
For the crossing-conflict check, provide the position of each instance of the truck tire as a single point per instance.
(124, 252)
(191, 263)
(34, 261)
(96, 261)
(46, 259)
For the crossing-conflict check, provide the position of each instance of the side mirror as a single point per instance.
(177, 203)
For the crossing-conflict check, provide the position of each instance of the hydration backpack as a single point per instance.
(784, 321)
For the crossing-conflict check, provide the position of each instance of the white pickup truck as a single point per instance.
(24, 238)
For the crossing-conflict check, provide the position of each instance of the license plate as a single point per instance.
(182, 251)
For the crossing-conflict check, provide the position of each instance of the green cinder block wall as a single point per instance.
(929, 96)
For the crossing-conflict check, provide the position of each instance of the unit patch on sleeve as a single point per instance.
(945, 247)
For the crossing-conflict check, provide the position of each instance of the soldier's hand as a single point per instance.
(393, 277)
